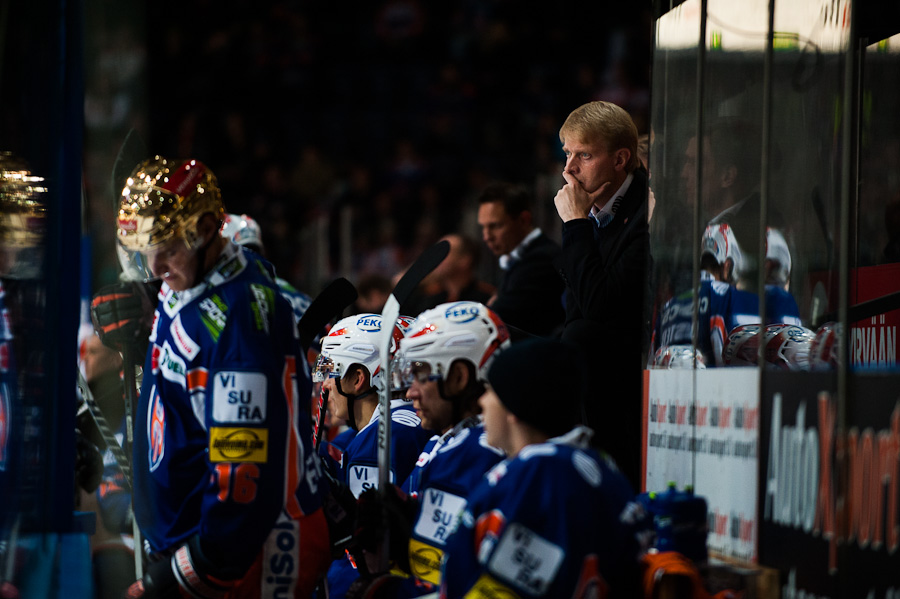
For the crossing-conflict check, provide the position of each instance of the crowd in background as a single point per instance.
(362, 132)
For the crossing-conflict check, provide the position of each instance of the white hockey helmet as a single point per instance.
(452, 331)
(779, 254)
(719, 242)
(677, 357)
(243, 230)
(788, 347)
(354, 340)
(825, 348)
(741, 346)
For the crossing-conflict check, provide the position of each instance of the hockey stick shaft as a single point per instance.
(130, 403)
(326, 306)
(424, 264)
(122, 463)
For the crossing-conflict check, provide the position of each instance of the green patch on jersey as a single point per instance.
(263, 305)
(214, 315)
(230, 268)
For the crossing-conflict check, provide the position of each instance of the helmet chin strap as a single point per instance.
(460, 401)
(351, 417)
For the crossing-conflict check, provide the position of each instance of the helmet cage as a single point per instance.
(164, 200)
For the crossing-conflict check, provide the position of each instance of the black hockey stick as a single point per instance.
(89, 407)
(867, 309)
(424, 264)
(326, 306)
(132, 153)
(128, 365)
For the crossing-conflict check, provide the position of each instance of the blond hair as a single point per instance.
(604, 122)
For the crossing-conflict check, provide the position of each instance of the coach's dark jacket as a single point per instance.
(607, 289)
(530, 293)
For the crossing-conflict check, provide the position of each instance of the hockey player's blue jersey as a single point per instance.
(408, 438)
(222, 444)
(360, 469)
(722, 307)
(10, 428)
(447, 470)
(299, 301)
(553, 521)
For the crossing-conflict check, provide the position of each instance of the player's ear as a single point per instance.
(458, 377)
(360, 379)
(208, 227)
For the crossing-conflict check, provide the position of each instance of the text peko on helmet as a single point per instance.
(163, 200)
(243, 230)
(453, 331)
(354, 340)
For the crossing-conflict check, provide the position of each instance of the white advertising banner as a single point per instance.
(708, 441)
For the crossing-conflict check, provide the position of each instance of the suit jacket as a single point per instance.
(607, 315)
(530, 293)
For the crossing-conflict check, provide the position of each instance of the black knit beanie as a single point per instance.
(543, 382)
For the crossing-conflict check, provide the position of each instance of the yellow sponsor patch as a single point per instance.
(425, 561)
(244, 444)
(486, 587)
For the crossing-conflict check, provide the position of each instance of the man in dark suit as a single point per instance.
(530, 294)
(604, 261)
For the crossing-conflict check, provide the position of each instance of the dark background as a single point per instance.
(400, 110)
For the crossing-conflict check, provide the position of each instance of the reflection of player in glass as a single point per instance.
(245, 231)
(227, 488)
(22, 212)
(724, 302)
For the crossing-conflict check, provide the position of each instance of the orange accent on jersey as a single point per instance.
(491, 523)
(197, 379)
(590, 581)
(717, 323)
(292, 464)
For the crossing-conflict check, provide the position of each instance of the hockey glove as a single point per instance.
(181, 576)
(399, 509)
(123, 314)
(340, 513)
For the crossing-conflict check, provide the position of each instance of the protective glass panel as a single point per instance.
(876, 278)
(805, 181)
(672, 235)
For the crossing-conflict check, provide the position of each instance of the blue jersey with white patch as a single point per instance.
(360, 468)
(360, 459)
(222, 445)
(447, 470)
(722, 307)
(673, 327)
(554, 521)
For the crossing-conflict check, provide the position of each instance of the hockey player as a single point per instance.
(349, 369)
(555, 519)
(227, 489)
(444, 359)
(245, 231)
(723, 302)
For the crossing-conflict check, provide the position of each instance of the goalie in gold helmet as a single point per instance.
(168, 213)
(227, 490)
